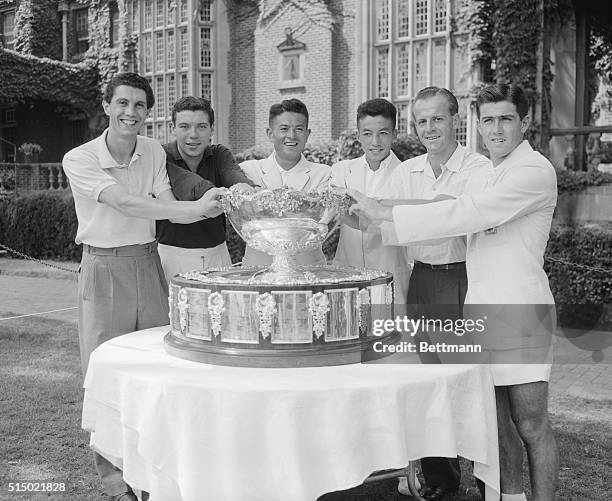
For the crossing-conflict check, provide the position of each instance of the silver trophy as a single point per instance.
(284, 222)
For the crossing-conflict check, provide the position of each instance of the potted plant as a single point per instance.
(30, 152)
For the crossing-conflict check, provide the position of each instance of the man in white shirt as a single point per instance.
(438, 282)
(286, 166)
(507, 223)
(376, 120)
(120, 187)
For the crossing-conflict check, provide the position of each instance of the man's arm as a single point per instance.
(231, 173)
(187, 185)
(163, 207)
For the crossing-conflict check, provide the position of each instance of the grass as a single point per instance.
(41, 399)
(42, 440)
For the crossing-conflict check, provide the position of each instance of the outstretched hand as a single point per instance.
(210, 202)
(368, 208)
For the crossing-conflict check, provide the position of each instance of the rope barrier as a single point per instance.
(39, 313)
(566, 263)
(25, 256)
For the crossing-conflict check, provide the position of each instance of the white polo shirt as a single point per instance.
(415, 179)
(91, 168)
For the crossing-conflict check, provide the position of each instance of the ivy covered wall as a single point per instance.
(37, 29)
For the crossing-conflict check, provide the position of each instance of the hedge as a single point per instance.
(43, 225)
(330, 152)
(583, 288)
(40, 224)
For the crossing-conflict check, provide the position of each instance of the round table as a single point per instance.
(189, 431)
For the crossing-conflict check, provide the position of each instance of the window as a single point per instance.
(159, 13)
(206, 86)
(183, 13)
(160, 94)
(81, 30)
(184, 85)
(184, 37)
(171, 91)
(413, 47)
(8, 116)
(205, 11)
(134, 16)
(148, 14)
(159, 51)
(7, 25)
(170, 48)
(147, 51)
(205, 53)
(114, 24)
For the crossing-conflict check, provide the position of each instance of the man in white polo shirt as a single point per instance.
(120, 187)
(438, 282)
(507, 223)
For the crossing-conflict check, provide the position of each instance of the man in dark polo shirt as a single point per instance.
(194, 166)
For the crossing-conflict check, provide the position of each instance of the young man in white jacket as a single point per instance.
(376, 120)
(286, 166)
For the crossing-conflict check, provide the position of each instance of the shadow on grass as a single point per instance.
(41, 397)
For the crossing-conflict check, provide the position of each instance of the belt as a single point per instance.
(123, 251)
(449, 266)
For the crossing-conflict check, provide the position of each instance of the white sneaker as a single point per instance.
(402, 487)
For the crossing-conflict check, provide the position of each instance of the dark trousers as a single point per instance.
(437, 293)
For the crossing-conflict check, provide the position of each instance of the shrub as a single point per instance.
(41, 224)
(570, 181)
(580, 293)
(404, 147)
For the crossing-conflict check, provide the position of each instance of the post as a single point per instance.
(582, 59)
(63, 9)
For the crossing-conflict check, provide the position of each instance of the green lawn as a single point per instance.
(41, 396)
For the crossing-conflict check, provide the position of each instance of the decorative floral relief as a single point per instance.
(266, 309)
(183, 307)
(216, 307)
(389, 293)
(363, 301)
(319, 306)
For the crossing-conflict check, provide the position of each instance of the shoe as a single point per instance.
(124, 496)
(402, 486)
(435, 493)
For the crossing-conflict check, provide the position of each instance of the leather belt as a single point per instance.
(124, 251)
(449, 266)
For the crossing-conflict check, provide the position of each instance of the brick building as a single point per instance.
(247, 54)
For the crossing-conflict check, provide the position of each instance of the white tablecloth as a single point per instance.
(188, 431)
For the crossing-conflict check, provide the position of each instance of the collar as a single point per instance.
(524, 148)
(302, 166)
(456, 159)
(385, 164)
(106, 159)
(173, 153)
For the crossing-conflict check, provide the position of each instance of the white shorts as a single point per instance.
(505, 374)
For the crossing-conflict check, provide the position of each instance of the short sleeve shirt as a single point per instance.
(91, 168)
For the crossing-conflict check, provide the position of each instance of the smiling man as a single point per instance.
(120, 187)
(369, 173)
(439, 274)
(288, 131)
(507, 223)
(195, 166)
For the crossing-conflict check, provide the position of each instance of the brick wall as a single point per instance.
(242, 19)
(316, 91)
(344, 45)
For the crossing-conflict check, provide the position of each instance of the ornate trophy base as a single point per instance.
(322, 316)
